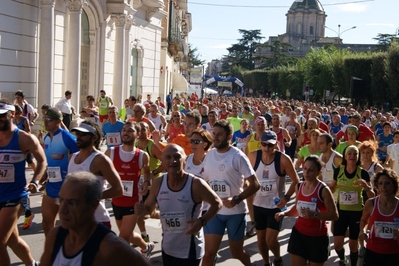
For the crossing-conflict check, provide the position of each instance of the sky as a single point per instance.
(215, 28)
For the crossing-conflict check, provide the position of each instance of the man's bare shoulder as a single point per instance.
(115, 251)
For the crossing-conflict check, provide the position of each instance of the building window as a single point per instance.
(311, 31)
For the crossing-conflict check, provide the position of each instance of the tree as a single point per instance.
(193, 57)
(384, 40)
(242, 53)
(277, 58)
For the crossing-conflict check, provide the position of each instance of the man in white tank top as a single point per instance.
(226, 168)
(179, 196)
(271, 167)
(80, 239)
(90, 159)
(329, 157)
(156, 118)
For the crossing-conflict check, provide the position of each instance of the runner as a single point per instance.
(14, 144)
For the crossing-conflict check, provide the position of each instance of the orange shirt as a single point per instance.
(182, 141)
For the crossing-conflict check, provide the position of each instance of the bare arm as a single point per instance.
(253, 186)
(202, 192)
(145, 170)
(332, 212)
(30, 143)
(103, 166)
(288, 168)
(45, 260)
(368, 208)
(149, 206)
(287, 137)
(115, 251)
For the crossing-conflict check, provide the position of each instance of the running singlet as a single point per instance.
(176, 208)
(57, 152)
(271, 182)
(12, 170)
(101, 213)
(381, 238)
(312, 202)
(173, 132)
(86, 255)
(349, 191)
(128, 165)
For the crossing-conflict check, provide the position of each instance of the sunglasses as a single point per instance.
(265, 144)
(196, 141)
(49, 119)
(176, 116)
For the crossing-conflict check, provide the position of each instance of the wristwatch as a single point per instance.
(316, 215)
(155, 172)
(237, 199)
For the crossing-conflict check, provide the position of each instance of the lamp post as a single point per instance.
(339, 33)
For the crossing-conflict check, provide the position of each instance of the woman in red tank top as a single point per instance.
(381, 216)
(175, 128)
(314, 205)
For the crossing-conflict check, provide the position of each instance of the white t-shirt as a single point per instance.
(225, 173)
(393, 151)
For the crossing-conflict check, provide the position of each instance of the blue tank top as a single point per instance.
(20, 125)
(335, 129)
(12, 170)
(57, 152)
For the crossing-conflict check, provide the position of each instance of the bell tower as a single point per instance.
(305, 22)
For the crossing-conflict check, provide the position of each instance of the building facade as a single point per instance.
(50, 46)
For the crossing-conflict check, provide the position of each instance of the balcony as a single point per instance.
(175, 42)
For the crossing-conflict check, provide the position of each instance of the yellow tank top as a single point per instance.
(253, 144)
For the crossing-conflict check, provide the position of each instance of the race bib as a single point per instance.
(241, 146)
(54, 174)
(127, 188)
(103, 104)
(114, 139)
(7, 173)
(384, 229)
(221, 188)
(305, 205)
(328, 176)
(267, 187)
(174, 222)
(348, 198)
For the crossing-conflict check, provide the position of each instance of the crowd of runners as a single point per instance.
(200, 166)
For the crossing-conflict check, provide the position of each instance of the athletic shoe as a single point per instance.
(148, 251)
(342, 262)
(146, 238)
(28, 221)
(251, 231)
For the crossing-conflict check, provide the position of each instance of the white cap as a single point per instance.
(4, 108)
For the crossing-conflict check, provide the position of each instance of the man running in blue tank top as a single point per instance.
(58, 145)
(14, 145)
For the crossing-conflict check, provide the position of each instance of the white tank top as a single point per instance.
(371, 172)
(157, 121)
(176, 209)
(196, 170)
(101, 213)
(328, 169)
(271, 185)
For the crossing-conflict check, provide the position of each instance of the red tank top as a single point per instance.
(173, 132)
(224, 116)
(280, 140)
(381, 240)
(306, 139)
(129, 173)
(312, 226)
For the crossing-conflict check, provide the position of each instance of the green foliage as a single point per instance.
(194, 57)
(384, 40)
(242, 52)
(393, 73)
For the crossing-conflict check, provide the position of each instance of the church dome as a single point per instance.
(306, 4)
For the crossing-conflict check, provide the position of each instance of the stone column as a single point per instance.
(127, 63)
(46, 54)
(73, 42)
(118, 84)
